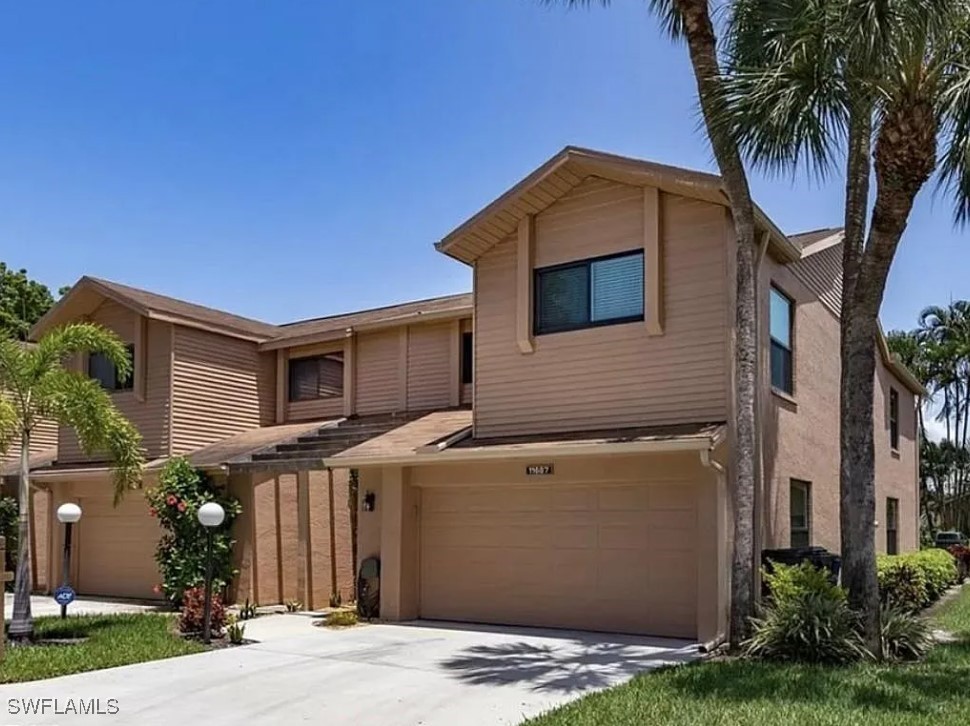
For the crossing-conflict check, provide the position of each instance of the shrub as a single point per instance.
(9, 516)
(192, 618)
(235, 631)
(905, 635)
(181, 552)
(807, 619)
(961, 554)
(341, 619)
(940, 568)
(912, 581)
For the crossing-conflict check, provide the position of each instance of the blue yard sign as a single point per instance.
(64, 595)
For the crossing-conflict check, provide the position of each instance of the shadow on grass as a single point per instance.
(576, 666)
(89, 626)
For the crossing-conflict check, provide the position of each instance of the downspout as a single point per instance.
(721, 475)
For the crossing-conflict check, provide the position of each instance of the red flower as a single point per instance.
(157, 589)
(152, 511)
(171, 500)
(181, 506)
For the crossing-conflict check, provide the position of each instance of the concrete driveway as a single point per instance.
(41, 605)
(432, 674)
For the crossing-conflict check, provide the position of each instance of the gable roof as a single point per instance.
(334, 327)
(568, 169)
(155, 306)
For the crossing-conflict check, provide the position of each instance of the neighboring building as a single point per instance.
(589, 487)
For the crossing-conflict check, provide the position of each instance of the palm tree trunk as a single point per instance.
(702, 46)
(22, 623)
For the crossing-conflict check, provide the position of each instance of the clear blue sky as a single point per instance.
(292, 159)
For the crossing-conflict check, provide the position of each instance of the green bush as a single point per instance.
(807, 619)
(9, 528)
(912, 581)
(905, 635)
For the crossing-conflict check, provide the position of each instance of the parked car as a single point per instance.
(950, 538)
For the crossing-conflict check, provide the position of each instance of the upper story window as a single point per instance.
(781, 324)
(467, 357)
(894, 419)
(892, 526)
(321, 376)
(800, 513)
(104, 372)
(589, 293)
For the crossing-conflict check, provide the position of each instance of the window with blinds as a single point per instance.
(101, 369)
(589, 293)
(318, 377)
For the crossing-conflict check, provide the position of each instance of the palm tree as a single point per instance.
(881, 82)
(37, 387)
(690, 20)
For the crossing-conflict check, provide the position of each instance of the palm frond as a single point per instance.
(62, 343)
(665, 10)
(81, 403)
(9, 424)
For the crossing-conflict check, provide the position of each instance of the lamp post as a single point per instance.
(211, 515)
(67, 514)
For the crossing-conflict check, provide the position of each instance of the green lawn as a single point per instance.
(113, 640)
(739, 692)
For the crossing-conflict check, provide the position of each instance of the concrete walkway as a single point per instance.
(41, 605)
(433, 674)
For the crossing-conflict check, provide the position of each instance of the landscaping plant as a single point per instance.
(192, 617)
(181, 552)
(914, 580)
(905, 635)
(235, 630)
(8, 529)
(961, 554)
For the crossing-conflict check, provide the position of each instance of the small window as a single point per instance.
(104, 372)
(467, 357)
(781, 318)
(800, 508)
(589, 293)
(892, 526)
(318, 377)
(894, 419)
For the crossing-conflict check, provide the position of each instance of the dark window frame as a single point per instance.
(292, 390)
(805, 531)
(118, 385)
(894, 419)
(587, 263)
(467, 357)
(788, 385)
(892, 526)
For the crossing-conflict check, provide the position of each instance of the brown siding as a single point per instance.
(320, 537)
(218, 388)
(822, 274)
(150, 416)
(43, 438)
(614, 375)
(801, 439)
(429, 366)
(379, 372)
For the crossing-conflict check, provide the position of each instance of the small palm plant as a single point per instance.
(36, 387)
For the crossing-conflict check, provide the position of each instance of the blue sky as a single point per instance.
(292, 159)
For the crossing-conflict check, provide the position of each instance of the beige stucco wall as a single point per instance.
(616, 375)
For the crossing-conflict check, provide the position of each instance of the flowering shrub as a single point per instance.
(962, 555)
(181, 553)
(192, 618)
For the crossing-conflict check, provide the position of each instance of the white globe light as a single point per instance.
(211, 514)
(68, 513)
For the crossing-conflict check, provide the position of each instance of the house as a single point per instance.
(589, 487)
(256, 406)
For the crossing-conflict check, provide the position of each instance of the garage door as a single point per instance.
(613, 558)
(116, 548)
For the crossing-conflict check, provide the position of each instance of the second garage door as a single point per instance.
(116, 547)
(614, 558)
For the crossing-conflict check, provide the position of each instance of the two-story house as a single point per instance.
(590, 486)
(254, 405)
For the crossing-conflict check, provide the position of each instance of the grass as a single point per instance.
(112, 640)
(762, 694)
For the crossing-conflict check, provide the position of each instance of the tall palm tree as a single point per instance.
(690, 20)
(37, 387)
(879, 82)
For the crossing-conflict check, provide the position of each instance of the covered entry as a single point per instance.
(608, 557)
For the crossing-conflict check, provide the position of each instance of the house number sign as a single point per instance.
(539, 470)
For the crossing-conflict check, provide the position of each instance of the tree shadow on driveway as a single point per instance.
(567, 664)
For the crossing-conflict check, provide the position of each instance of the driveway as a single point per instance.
(373, 675)
(41, 605)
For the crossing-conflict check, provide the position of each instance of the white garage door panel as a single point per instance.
(599, 557)
(116, 548)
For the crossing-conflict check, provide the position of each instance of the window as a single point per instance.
(800, 508)
(318, 377)
(467, 357)
(781, 318)
(892, 526)
(104, 372)
(894, 419)
(589, 293)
